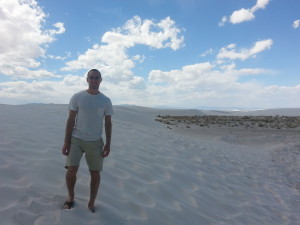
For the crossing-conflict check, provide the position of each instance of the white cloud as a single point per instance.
(20, 92)
(19, 52)
(139, 58)
(296, 24)
(57, 57)
(261, 46)
(136, 83)
(194, 85)
(60, 27)
(207, 52)
(243, 15)
(223, 21)
(207, 84)
(260, 4)
(189, 75)
(201, 77)
(230, 51)
(75, 81)
(111, 56)
(20, 72)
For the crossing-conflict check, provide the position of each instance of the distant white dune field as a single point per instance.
(157, 173)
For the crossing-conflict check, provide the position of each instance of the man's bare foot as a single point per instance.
(91, 208)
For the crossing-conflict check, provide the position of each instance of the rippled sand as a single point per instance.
(154, 175)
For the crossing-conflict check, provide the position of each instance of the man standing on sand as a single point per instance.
(87, 109)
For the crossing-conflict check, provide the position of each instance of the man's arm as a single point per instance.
(69, 129)
(108, 132)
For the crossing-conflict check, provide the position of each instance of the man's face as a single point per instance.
(94, 79)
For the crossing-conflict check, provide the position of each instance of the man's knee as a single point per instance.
(72, 171)
(95, 173)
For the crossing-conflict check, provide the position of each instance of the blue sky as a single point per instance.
(157, 53)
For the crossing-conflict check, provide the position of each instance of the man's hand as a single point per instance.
(106, 150)
(66, 149)
(69, 129)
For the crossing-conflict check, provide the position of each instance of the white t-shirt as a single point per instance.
(91, 110)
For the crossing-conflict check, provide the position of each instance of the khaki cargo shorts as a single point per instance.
(92, 150)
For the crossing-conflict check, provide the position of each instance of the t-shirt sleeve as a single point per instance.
(73, 104)
(108, 109)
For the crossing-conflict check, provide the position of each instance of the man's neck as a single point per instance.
(93, 92)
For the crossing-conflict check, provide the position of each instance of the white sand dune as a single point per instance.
(154, 175)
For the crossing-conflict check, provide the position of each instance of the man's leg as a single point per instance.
(70, 181)
(94, 186)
